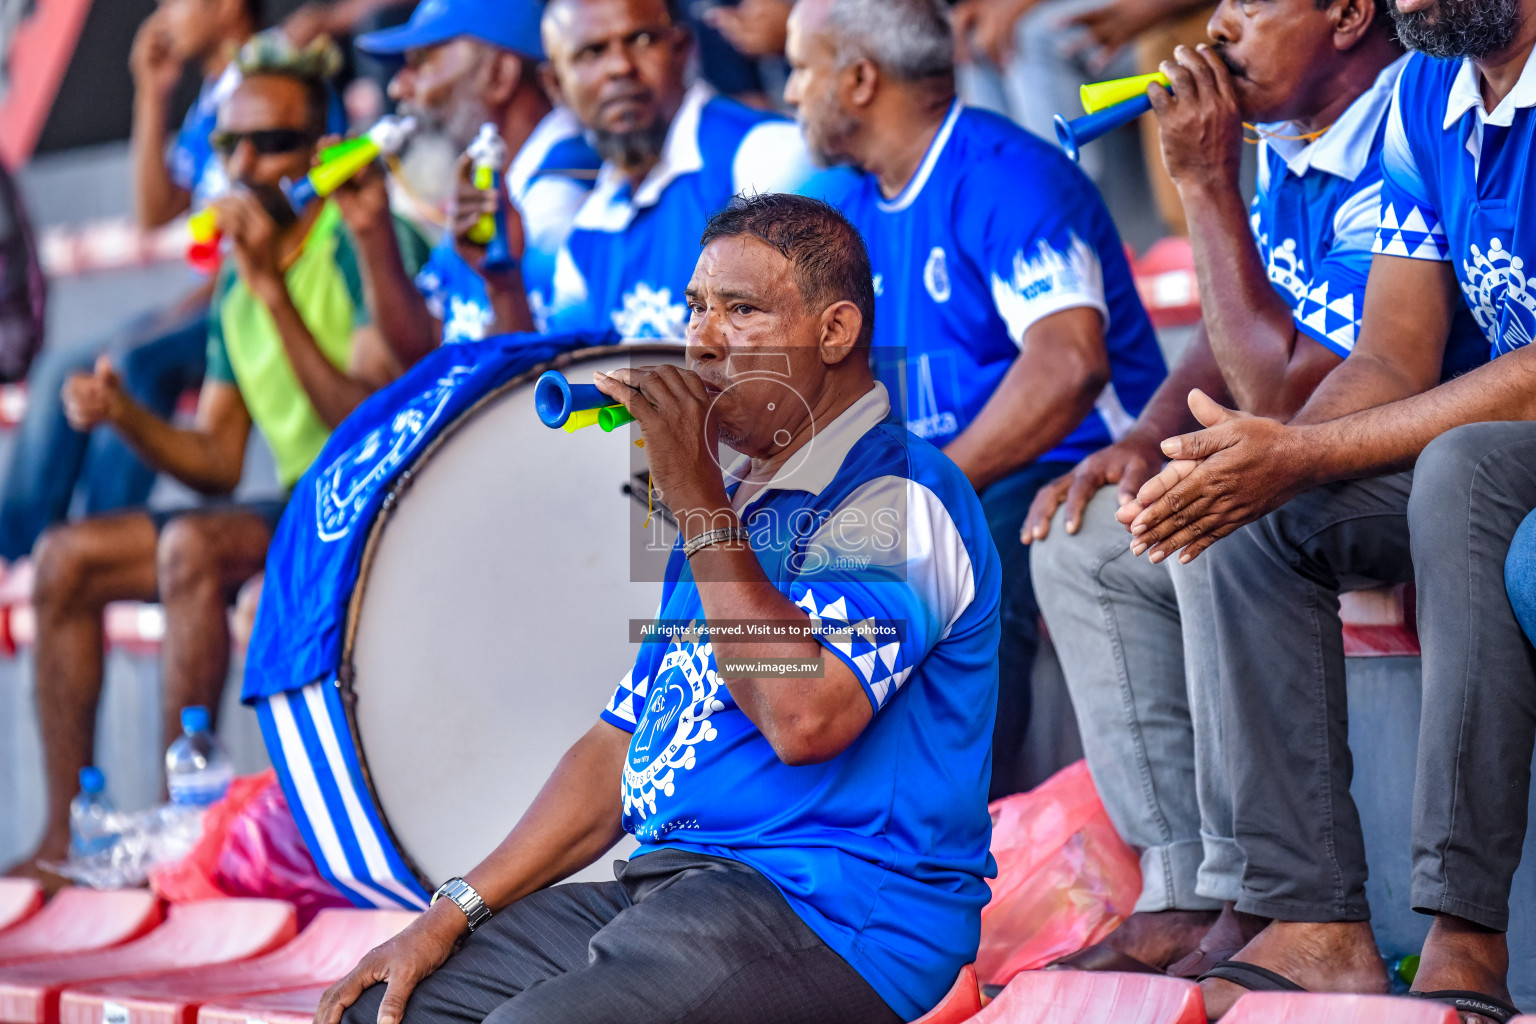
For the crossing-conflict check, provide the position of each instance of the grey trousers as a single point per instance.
(678, 937)
(1275, 584)
(1138, 654)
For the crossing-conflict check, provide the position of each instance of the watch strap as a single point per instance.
(466, 899)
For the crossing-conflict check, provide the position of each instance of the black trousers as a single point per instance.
(1275, 586)
(679, 937)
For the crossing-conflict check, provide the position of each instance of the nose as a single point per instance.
(403, 85)
(238, 164)
(794, 89)
(1221, 26)
(706, 339)
(619, 60)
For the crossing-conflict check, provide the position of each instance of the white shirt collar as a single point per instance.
(1345, 149)
(680, 155)
(554, 128)
(1466, 94)
(815, 466)
(930, 160)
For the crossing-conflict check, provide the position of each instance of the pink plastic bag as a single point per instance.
(250, 846)
(1065, 879)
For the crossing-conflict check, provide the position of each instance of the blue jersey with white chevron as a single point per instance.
(883, 850)
(1314, 217)
(1455, 183)
(632, 251)
(548, 180)
(996, 231)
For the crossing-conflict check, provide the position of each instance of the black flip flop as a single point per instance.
(1251, 977)
(1464, 1001)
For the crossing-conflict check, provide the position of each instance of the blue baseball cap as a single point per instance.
(508, 24)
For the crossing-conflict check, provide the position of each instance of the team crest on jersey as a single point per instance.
(650, 313)
(1287, 270)
(678, 703)
(348, 482)
(1499, 296)
(936, 275)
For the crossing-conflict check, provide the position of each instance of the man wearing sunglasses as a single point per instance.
(290, 351)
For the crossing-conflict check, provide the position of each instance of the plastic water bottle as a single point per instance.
(89, 830)
(197, 769)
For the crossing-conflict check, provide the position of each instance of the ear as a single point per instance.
(841, 325)
(503, 75)
(860, 81)
(1352, 21)
(551, 83)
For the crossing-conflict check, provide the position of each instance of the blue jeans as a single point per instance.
(1006, 503)
(1520, 576)
(158, 357)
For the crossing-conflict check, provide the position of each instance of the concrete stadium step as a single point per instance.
(297, 1006)
(79, 921)
(321, 955)
(194, 934)
(20, 898)
(1330, 1008)
(961, 1003)
(1095, 997)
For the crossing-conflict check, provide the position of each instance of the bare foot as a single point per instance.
(1337, 957)
(1232, 931)
(1461, 955)
(1156, 938)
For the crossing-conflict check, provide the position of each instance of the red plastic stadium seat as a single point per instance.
(81, 921)
(1086, 997)
(1380, 622)
(294, 1007)
(323, 953)
(962, 1003)
(1165, 279)
(1329, 1008)
(20, 898)
(194, 934)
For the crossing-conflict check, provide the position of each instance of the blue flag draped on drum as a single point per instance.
(295, 657)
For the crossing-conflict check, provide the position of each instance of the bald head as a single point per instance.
(620, 66)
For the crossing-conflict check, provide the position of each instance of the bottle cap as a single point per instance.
(91, 780)
(195, 719)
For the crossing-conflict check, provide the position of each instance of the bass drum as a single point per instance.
(490, 623)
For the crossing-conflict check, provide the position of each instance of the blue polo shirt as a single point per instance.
(1314, 217)
(632, 251)
(996, 231)
(1454, 182)
(547, 181)
(883, 850)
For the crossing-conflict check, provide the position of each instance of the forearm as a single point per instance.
(1252, 330)
(157, 199)
(190, 456)
(575, 819)
(333, 393)
(509, 301)
(398, 308)
(1389, 438)
(1167, 411)
(1362, 382)
(1044, 396)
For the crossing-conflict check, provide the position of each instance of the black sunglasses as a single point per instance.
(265, 141)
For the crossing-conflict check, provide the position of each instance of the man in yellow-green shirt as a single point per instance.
(291, 351)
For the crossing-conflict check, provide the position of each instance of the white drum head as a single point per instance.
(494, 618)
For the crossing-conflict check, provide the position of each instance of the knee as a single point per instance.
(366, 1009)
(62, 568)
(1443, 477)
(187, 557)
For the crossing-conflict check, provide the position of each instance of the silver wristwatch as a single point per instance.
(464, 896)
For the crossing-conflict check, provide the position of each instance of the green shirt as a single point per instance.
(244, 348)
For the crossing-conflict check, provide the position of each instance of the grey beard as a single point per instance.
(630, 149)
(1459, 28)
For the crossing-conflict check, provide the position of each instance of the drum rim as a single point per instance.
(346, 674)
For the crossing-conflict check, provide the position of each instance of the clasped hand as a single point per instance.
(673, 407)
